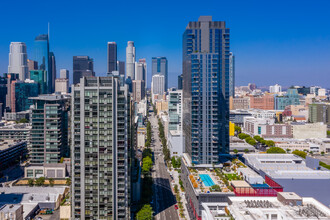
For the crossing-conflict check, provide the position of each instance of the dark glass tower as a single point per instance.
(180, 81)
(46, 61)
(52, 66)
(206, 90)
(82, 66)
(112, 56)
(159, 66)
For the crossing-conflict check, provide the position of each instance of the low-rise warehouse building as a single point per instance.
(32, 198)
(292, 173)
(12, 151)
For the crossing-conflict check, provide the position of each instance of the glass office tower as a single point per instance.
(82, 66)
(159, 66)
(40, 76)
(42, 56)
(206, 90)
(112, 57)
(100, 126)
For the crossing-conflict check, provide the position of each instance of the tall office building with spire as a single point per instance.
(112, 57)
(206, 90)
(130, 60)
(100, 126)
(45, 59)
(18, 60)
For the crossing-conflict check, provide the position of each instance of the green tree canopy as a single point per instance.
(51, 181)
(30, 182)
(215, 188)
(68, 181)
(300, 153)
(275, 150)
(270, 143)
(238, 129)
(146, 165)
(147, 152)
(40, 181)
(243, 136)
(145, 213)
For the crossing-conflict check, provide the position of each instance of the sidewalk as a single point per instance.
(175, 180)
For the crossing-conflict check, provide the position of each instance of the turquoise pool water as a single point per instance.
(206, 179)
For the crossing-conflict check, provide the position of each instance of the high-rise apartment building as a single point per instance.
(231, 75)
(64, 74)
(159, 67)
(100, 126)
(319, 112)
(175, 110)
(112, 56)
(45, 59)
(180, 82)
(18, 60)
(49, 134)
(82, 66)
(130, 60)
(206, 90)
(158, 84)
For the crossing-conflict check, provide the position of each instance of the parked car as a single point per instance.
(176, 206)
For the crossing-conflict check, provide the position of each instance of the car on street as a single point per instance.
(176, 206)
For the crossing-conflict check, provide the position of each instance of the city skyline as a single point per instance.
(238, 109)
(277, 47)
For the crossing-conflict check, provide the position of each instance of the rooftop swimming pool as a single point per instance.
(206, 179)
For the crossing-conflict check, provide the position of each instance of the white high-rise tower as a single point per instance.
(130, 60)
(18, 60)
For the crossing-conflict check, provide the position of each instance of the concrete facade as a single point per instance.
(175, 143)
(101, 142)
(309, 130)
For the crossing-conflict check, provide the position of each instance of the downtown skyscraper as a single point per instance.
(82, 66)
(159, 67)
(206, 90)
(45, 59)
(100, 126)
(130, 60)
(112, 57)
(18, 60)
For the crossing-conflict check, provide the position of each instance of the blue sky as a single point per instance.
(285, 42)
